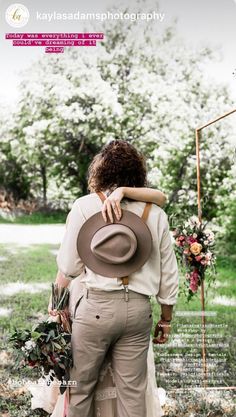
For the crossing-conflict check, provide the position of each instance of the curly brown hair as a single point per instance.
(118, 164)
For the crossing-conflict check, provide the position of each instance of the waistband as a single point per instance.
(92, 293)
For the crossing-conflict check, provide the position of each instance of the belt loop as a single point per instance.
(125, 282)
(87, 291)
(126, 288)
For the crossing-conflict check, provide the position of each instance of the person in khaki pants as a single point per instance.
(122, 263)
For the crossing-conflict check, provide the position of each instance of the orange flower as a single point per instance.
(195, 248)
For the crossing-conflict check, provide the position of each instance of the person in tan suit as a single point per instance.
(114, 314)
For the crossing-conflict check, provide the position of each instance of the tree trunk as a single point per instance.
(44, 182)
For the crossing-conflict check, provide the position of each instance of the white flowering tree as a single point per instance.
(139, 84)
(61, 120)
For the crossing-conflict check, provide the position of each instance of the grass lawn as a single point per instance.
(38, 218)
(36, 265)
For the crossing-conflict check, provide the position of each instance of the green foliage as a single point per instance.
(140, 84)
(12, 177)
(47, 347)
(230, 235)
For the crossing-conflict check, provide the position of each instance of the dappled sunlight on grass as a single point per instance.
(26, 235)
(224, 301)
(5, 311)
(33, 264)
(16, 287)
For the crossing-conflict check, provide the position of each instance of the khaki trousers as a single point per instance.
(103, 321)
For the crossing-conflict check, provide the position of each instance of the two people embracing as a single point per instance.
(118, 244)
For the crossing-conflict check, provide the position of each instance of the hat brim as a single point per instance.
(143, 251)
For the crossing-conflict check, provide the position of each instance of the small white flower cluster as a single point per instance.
(29, 345)
(210, 237)
(192, 222)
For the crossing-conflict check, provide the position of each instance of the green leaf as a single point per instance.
(57, 346)
(35, 335)
(33, 357)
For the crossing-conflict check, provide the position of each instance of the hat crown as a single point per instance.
(109, 263)
(114, 244)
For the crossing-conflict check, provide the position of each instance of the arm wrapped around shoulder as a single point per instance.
(169, 283)
(68, 260)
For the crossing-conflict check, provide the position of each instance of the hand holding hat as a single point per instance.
(114, 250)
(111, 205)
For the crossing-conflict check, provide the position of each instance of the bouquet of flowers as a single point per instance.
(195, 247)
(47, 346)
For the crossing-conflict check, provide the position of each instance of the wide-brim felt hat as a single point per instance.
(114, 249)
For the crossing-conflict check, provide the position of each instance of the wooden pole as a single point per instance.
(216, 120)
(204, 362)
(198, 137)
(198, 175)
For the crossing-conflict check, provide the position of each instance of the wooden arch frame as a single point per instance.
(198, 137)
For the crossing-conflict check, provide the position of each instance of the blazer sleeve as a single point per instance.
(168, 289)
(68, 260)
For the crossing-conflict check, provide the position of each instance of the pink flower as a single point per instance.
(194, 281)
(179, 241)
(186, 251)
(193, 286)
(194, 274)
(208, 258)
(191, 239)
(198, 258)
